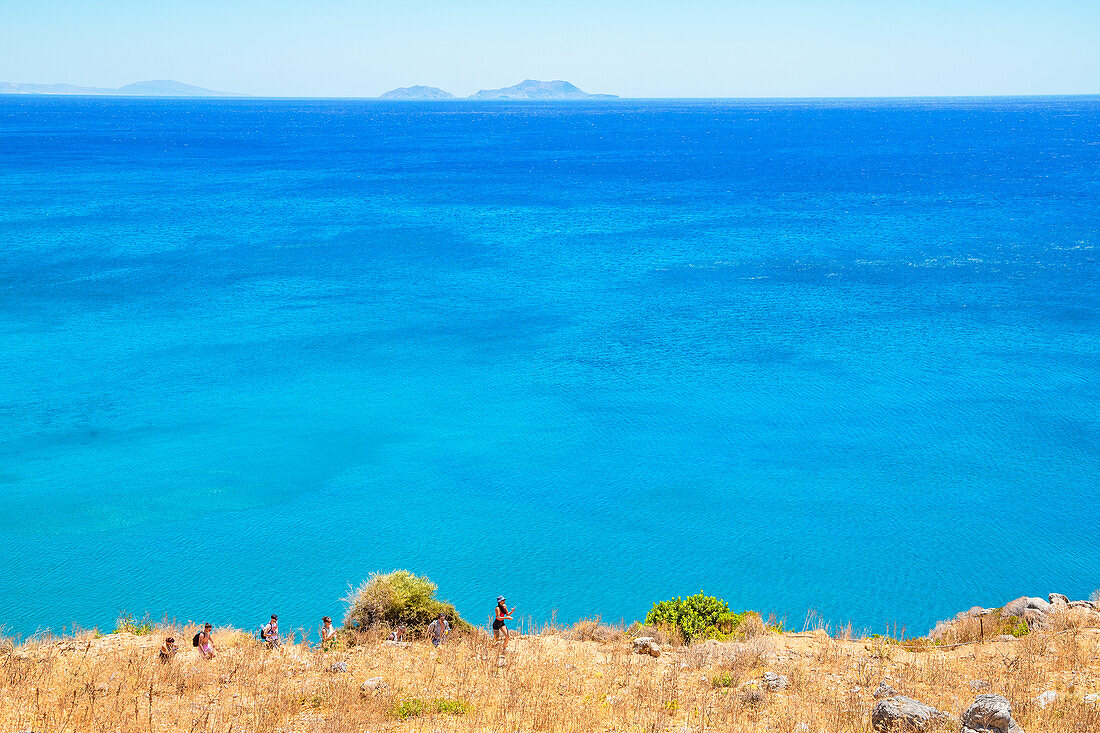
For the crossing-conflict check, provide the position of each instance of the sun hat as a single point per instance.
(500, 598)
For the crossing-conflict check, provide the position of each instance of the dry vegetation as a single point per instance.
(580, 678)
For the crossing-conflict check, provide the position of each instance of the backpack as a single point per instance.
(195, 639)
(262, 637)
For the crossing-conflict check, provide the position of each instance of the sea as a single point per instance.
(837, 361)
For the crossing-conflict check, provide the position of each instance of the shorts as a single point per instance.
(437, 642)
(498, 625)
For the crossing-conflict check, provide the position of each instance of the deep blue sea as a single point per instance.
(829, 355)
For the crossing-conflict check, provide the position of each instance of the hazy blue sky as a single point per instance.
(638, 48)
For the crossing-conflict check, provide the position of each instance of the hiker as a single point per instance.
(397, 634)
(499, 627)
(168, 650)
(270, 633)
(205, 642)
(328, 633)
(438, 630)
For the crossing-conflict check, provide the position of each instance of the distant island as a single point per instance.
(417, 92)
(534, 89)
(154, 88)
(526, 89)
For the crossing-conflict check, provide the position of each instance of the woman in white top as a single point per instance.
(328, 633)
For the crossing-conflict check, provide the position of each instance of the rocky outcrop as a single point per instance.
(902, 713)
(1034, 612)
(775, 682)
(884, 690)
(647, 645)
(374, 684)
(989, 714)
(1021, 605)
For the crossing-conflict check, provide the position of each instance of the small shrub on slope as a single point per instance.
(412, 707)
(397, 598)
(704, 617)
(128, 624)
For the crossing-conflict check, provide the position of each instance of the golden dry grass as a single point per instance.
(583, 679)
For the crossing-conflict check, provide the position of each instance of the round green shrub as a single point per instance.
(397, 598)
(697, 617)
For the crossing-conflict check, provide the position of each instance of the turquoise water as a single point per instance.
(840, 356)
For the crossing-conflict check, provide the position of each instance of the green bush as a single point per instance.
(397, 598)
(452, 707)
(409, 708)
(724, 679)
(1014, 626)
(412, 707)
(127, 623)
(699, 617)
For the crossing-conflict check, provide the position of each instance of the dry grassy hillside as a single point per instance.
(585, 678)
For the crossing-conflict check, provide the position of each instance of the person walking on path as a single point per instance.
(270, 633)
(500, 628)
(205, 642)
(438, 630)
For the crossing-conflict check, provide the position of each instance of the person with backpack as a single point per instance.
(270, 633)
(205, 642)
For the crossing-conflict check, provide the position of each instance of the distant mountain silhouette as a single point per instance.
(156, 88)
(417, 92)
(534, 89)
(169, 88)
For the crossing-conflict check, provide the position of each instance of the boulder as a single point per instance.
(1092, 699)
(978, 684)
(1035, 618)
(989, 714)
(904, 714)
(338, 667)
(884, 690)
(647, 645)
(1046, 698)
(1016, 607)
(775, 682)
(374, 684)
(1057, 599)
(1039, 604)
